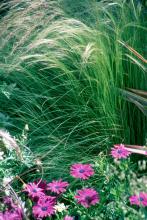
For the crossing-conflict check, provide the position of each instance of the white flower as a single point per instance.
(60, 207)
(1, 155)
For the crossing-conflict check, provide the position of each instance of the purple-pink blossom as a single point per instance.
(134, 200)
(12, 211)
(87, 197)
(119, 151)
(57, 186)
(67, 217)
(81, 171)
(143, 198)
(9, 202)
(33, 190)
(43, 209)
(15, 214)
(139, 200)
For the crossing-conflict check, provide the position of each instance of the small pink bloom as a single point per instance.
(58, 186)
(13, 215)
(12, 212)
(134, 200)
(143, 198)
(87, 197)
(119, 151)
(33, 190)
(140, 200)
(9, 202)
(43, 209)
(68, 218)
(82, 171)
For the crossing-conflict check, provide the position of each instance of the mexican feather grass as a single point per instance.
(66, 73)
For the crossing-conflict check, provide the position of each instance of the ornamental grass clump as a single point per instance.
(62, 74)
(65, 73)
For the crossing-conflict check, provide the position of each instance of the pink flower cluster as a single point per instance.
(12, 212)
(120, 151)
(87, 196)
(44, 203)
(44, 195)
(139, 200)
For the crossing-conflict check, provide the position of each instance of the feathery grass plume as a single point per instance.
(67, 71)
(10, 142)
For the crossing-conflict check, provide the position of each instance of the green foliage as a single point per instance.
(66, 75)
(15, 159)
(61, 70)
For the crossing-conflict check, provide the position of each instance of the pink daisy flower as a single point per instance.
(87, 197)
(143, 198)
(119, 151)
(43, 209)
(134, 200)
(140, 199)
(68, 218)
(33, 190)
(57, 186)
(82, 171)
(13, 215)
